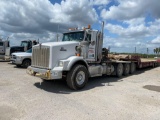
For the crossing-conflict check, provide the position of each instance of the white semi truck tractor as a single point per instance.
(76, 58)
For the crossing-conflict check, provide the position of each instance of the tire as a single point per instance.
(26, 63)
(77, 77)
(126, 69)
(132, 68)
(18, 66)
(119, 69)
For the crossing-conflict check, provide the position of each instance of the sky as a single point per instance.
(128, 23)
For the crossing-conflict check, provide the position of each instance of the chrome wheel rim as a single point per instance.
(80, 78)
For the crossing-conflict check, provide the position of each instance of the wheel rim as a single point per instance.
(120, 69)
(27, 63)
(127, 68)
(80, 78)
(132, 67)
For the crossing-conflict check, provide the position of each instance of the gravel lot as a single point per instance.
(24, 97)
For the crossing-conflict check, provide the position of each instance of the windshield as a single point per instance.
(24, 44)
(73, 36)
(29, 51)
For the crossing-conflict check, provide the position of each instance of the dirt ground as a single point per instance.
(24, 97)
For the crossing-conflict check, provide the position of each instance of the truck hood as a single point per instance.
(22, 54)
(57, 51)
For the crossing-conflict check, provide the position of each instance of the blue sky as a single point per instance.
(128, 23)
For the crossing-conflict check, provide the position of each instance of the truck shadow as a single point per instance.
(60, 86)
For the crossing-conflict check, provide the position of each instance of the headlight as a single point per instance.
(18, 57)
(61, 63)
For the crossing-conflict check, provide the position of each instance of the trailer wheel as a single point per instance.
(126, 69)
(77, 77)
(119, 69)
(26, 63)
(132, 68)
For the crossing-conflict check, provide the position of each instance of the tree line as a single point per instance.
(157, 51)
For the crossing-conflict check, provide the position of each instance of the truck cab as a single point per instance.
(24, 46)
(3, 46)
(79, 49)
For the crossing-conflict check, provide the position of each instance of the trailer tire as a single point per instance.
(26, 63)
(132, 68)
(119, 69)
(126, 69)
(77, 77)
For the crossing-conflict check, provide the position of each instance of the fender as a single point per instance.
(72, 60)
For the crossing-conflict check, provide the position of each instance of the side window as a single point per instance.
(88, 37)
(1, 43)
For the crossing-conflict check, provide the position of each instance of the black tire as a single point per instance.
(77, 77)
(126, 69)
(18, 66)
(132, 68)
(119, 69)
(26, 63)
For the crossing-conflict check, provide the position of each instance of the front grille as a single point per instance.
(40, 57)
(13, 56)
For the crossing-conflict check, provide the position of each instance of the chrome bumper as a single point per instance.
(44, 73)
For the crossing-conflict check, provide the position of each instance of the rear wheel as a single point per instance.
(119, 69)
(132, 68)
(126, 69)
(26, 63)
(77, 77)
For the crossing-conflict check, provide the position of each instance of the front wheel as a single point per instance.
(26, 63)
(77, 77)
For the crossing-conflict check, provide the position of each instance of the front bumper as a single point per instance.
(15, 61)
(55, 73)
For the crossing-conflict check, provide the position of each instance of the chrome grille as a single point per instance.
(40, 57)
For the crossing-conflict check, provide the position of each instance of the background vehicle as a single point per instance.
(22, 58)
(79, 56)
(24, 46)
(3, 46)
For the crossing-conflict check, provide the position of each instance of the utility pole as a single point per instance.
(147, 52)
(109, 48)
(135, 49)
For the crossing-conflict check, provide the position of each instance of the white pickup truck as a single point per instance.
(22, 58)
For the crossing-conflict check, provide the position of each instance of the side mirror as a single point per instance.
(92, 43)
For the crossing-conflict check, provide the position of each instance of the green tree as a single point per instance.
(154, 50)
(157, 51)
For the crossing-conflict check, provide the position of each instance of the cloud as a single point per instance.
(23, 19)
(130, 9)
(99, 2)
(135, 33)
(129, 32)
(156, 40)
